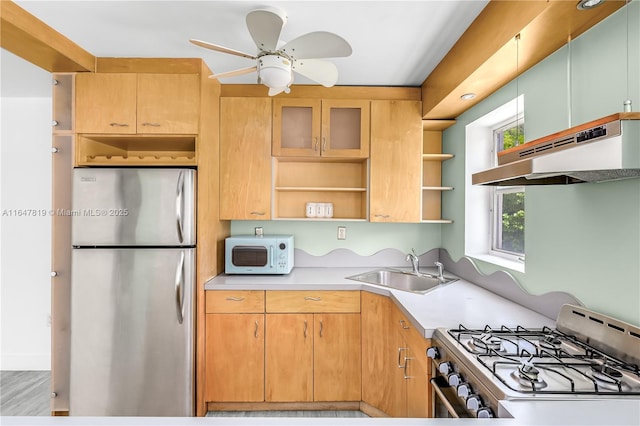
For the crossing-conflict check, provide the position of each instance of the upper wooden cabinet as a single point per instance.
(245, 158)
(321, 128)
(395, 162)
(126, 103)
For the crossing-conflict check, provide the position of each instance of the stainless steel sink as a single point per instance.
(402, 280)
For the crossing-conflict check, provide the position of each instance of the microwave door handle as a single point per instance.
(180, 205)
(271, 254)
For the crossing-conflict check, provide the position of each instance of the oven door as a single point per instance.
(446, 404)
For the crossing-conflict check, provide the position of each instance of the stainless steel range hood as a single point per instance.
(601, 150)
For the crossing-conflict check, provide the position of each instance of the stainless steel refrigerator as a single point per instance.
(132, 284)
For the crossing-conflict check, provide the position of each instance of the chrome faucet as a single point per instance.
(440, 268)
(415, 262)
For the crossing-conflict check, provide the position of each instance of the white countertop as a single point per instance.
(449, 305)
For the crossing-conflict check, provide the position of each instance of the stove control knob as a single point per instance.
(433, 353)
(485, 413)
(454, 379)
(445, 368)
(474, 402)
(464, 390)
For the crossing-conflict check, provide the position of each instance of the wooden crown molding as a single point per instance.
(484, 58)
(31, 39)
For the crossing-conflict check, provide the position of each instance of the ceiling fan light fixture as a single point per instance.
(588, 4)
(274, 71)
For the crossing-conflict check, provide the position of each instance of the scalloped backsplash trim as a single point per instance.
(501, 283)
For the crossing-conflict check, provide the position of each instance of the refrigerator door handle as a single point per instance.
(180, 289)
(180, 205)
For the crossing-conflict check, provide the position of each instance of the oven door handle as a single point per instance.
(444, 399)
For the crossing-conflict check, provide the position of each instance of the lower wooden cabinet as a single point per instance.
(395, 369)
(234, 358)
(313, 349)
(289, 358)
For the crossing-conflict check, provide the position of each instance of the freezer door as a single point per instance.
(133, 207)
(132, 332)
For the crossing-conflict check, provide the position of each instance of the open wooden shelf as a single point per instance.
(297, 181)
(436, 157)
(135, 150)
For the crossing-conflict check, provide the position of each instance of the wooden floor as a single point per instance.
(308, 413)
(25, 393)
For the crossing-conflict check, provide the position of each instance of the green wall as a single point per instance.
(319, 238)
(583, 239)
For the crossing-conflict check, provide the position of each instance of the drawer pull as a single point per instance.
(235, 299)
(315, 299)
(118, 125)
(151, 124)
(257, 213)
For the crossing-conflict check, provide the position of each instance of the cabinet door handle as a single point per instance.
(404, 324)
(384, 216)
(235, 299)
(118, 125)
(151, 124)
(405, 368)
(321, 328)
(305, 329)
(314, 299)
(400, 356)
(324, 144)
(255, 332)
(257, 213)
(315, 145)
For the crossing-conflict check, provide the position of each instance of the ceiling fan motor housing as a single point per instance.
(274, 71)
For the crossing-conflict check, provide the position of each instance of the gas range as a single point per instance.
(587, 355)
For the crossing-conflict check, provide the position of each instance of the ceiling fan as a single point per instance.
(277, 62)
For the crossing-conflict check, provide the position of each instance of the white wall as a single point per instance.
(25, 249)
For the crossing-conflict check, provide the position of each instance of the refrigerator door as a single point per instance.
(131, 332)
(133, 207)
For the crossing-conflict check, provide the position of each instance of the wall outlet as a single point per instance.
(342, 232)
(258, 231)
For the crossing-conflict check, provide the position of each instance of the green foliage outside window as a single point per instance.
(513, 222)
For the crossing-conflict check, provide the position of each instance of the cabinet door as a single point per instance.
(380, 371)
(105, 103)
(234, 364)
(345, 128)
(296, 127)
(289, 358)
(245, 158)
(396, 161)
(418, 374)
(168, 103)
(336, 360)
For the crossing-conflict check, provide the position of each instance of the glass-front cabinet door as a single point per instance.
(321, 128)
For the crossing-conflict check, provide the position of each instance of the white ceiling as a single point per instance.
(395, 43)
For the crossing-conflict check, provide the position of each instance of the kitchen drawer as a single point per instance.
(234, 301)
(313, 301)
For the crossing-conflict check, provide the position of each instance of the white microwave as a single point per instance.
(267, 254)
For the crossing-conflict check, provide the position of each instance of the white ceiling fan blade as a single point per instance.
(264, 26)
(234, 72)
(217, 48)
(323, 72)
(319, 44)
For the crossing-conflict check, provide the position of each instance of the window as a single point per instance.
(494, 216)
(507, 206)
